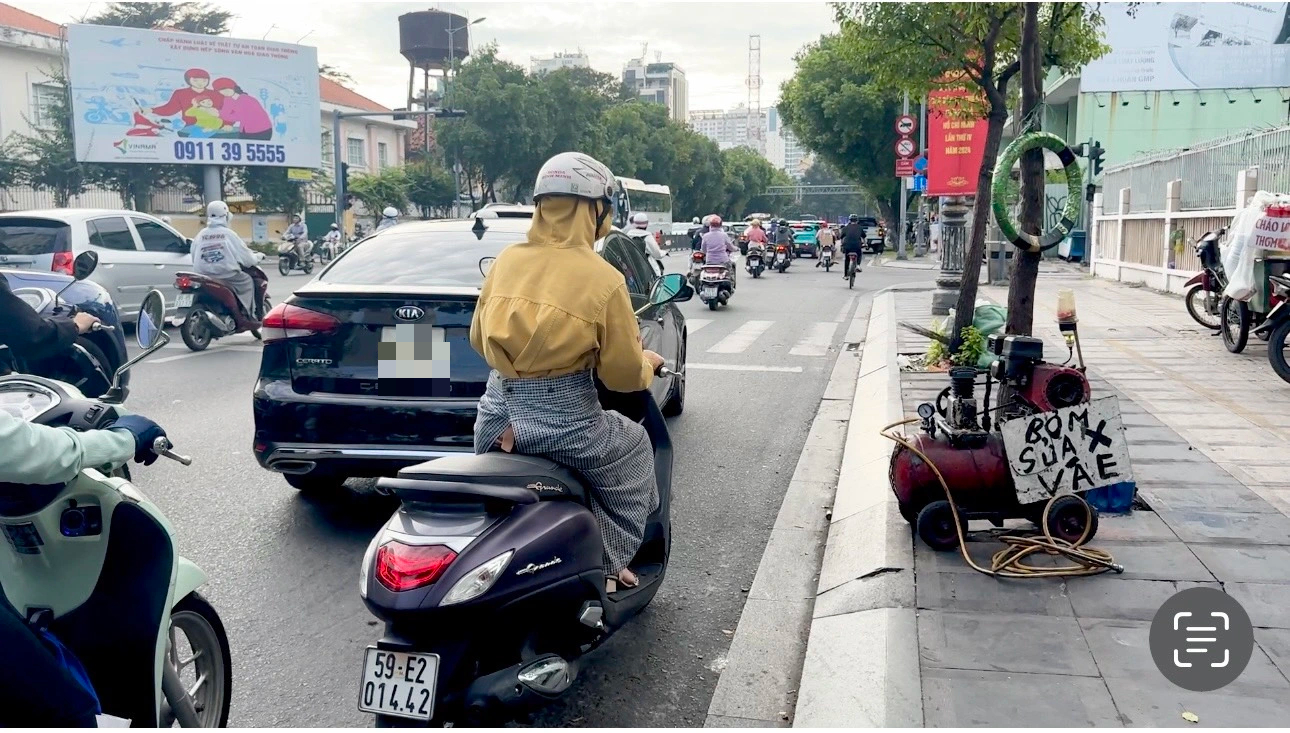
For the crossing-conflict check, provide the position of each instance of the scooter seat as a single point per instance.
(495, 474)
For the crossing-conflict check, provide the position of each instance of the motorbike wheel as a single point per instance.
(211, 686)
(196, 332)
(308, 266)
(756, 274)
(308, 483)
(1277, 347)
(284, 265)
(712, 304)
(1234, 317)
(1195, 300)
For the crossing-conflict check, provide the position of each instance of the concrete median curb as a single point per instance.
(861, 667)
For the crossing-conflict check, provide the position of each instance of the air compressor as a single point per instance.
(957, 436)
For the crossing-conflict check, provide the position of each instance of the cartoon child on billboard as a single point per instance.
(184, 100)
(241, 115)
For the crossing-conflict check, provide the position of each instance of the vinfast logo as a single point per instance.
(409, 313)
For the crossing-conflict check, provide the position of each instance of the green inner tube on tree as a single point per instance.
(1002, 171)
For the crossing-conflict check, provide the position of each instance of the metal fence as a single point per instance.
(164, 201)
(1207, 170)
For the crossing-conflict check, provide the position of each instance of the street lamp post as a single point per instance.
(452, 64)
(954, 214)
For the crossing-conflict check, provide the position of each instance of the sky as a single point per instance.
(709, 40)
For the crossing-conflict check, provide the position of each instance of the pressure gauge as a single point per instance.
(926, 410)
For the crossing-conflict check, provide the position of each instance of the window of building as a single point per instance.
(356, 151)
(326, 146)
(44, 98)
(382, 155)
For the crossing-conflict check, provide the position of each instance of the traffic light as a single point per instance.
(344, 177)
(1095, 154)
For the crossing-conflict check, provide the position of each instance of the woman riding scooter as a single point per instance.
(551, 311)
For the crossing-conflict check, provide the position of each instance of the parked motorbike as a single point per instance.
(755, 261)
(1277, 327)
(782, 257)
(1205, 290)
(715, 285)
(489, 579)
(84, 365)
(208, 309)
(289, 259)
(93, 562)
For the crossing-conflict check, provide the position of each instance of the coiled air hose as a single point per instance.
(1008, 562)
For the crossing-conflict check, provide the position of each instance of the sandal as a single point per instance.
(612, 582)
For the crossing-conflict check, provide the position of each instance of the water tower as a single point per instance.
(429, 40)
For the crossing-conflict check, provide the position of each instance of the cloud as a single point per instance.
(709, 40)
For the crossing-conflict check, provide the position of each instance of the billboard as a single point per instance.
(955, 145)
(142, 96)
(1179, 46)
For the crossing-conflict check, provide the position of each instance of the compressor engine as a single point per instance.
(957, 435)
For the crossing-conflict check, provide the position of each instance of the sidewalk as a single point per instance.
(958, 648)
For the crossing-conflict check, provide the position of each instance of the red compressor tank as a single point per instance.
(979, 477)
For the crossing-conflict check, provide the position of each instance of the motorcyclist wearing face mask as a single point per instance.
(298, 235)
(218, 252)
(640, 232)
(389, 218)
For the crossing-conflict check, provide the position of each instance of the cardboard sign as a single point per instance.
(1069, 450)
(1272, 232)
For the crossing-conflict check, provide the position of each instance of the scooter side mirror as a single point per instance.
(85, 264)
(150, 333)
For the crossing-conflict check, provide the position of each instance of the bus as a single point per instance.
(638, 197)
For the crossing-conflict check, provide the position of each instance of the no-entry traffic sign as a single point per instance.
(905, 124)
(905, 148)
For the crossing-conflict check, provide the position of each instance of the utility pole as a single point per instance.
(900, 231)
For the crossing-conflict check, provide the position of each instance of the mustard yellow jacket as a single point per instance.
(551, 306)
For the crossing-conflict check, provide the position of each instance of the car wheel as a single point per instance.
(313, 482)
(675, 404)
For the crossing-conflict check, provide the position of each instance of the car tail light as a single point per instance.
(62, 263)
(291, 321)
(401, 567)
(183, 282)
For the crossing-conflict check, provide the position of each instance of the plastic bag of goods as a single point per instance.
(1241, 251)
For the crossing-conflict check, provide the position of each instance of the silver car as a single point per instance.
(137, 252)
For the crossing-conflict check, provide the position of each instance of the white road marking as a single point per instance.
(215, 350)
(744, 368)
(694, 324)
(842, 314)
(741, 338)
(816, 341)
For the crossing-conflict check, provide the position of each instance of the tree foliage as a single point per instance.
(48, 153)
(430, 187)
(190, 17)
(835, 110)
(920, 47)
(331, 72)
(271, 189)
(387, 188)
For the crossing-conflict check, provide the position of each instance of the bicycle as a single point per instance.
(851, 270)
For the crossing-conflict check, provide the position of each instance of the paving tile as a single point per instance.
(927, 560)
(1121, 650)
(1158, 703)
(1178, 474)
(1138, 526)
(1237, 498)
(1109, 597)
(1247, 563)
(1276, 644)
(768, 651)
(1228, 527)
(1003, 642)
(1268, 604)
(961, 698)
(1154, 561)
(979, 593)
(1145, 453)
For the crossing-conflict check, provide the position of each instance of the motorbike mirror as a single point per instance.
(85, 264)
(151, 323)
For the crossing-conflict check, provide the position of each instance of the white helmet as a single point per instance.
(695, 220)
(216, 208)
(390, 212)
(574, 174)
(333, 226)
(640, 219)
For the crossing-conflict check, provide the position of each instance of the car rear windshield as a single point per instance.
(28, 236)
(443, 259)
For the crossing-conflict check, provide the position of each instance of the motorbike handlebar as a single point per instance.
(161, 446)
(101, 327)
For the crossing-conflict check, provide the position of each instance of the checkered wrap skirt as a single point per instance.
(560, 418)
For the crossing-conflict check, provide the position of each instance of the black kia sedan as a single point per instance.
(368, 368)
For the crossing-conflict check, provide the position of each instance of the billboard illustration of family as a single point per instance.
(168, 97)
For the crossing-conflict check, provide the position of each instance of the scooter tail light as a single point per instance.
(62, 263)
(288, 321)
(401, 567)
(477, 582)
(183, 282)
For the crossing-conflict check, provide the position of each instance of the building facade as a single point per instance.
(30, 51)
(563, 60)
(660, 82)
(730, 129)
(368, 144)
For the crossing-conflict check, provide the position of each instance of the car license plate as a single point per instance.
(184, 300)
(398, 683)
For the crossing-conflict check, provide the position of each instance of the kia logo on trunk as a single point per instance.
(409, 313)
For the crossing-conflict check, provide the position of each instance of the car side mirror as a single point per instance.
(670, 288)
(85, 264)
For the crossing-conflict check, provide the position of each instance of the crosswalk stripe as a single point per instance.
(816, 341)
(694, 324)
(745, 368)
(741, 338)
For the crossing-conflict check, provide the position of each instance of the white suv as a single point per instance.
(137, 252)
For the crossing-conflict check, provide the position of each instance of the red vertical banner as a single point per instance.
(955, 144)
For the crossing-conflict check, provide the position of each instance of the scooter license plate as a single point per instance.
(710, 292)
(398, 683)
(184, 300)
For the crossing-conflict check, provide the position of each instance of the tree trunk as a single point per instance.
(1025, 272)
(965, 308)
